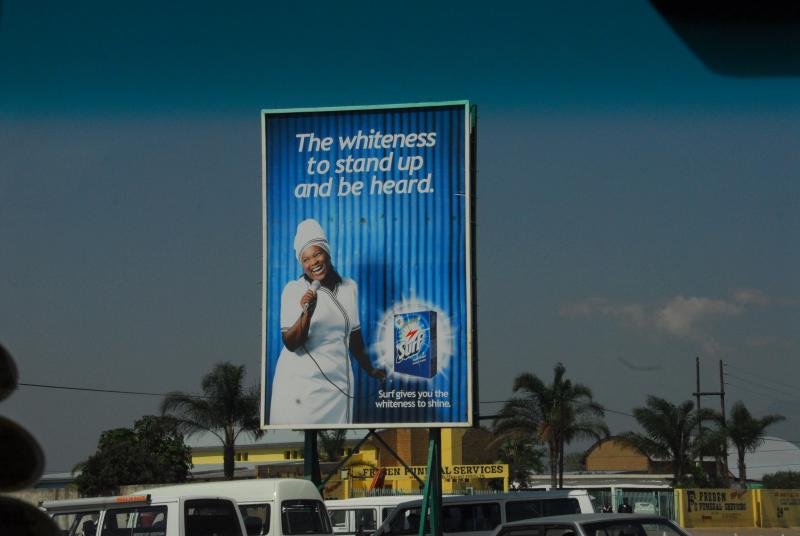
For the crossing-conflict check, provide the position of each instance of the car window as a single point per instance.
(646, 527)
(138, 521)
(365, 520)
(406, 521)
(558, 507)
(522, 531)
(533, 508)
(471, 517)
(77, 523)
(561, 530)
(256, 518)
(660, 529)
(338, 519)
(304, 517)
(211, 517)
(516, 510)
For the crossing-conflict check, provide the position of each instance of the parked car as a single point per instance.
(274, 506)
(362, 515)
(478, 515)
(277, 507)
(644, 508)
(164, 514)
(593, 525)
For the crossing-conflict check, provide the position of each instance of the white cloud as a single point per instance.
(685, 317)
(681, 316)
(760, 342)
(750, 296)
(627, 313)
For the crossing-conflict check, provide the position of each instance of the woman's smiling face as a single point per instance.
(316, 263)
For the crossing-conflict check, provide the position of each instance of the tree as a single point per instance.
(523, 455)
(331, 444)
(747, 433)
(555, 414)
(575, 461)
(782, 480)
(669, 433)
(153, 452)
(226, 410)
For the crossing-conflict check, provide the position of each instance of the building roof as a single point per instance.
(605, 479)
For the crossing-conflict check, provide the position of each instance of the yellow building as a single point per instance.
(373, 465)
(612, 454)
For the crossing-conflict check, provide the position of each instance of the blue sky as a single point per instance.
(633, 207)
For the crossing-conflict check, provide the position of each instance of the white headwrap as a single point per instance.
(309, 233)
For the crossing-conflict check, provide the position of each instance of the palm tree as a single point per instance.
(331, 443)
(747, 433)
(669, 432)
(555, 414)
(226, 409)
(523, 455)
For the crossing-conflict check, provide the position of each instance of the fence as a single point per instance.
(659, 502)
(764, 508)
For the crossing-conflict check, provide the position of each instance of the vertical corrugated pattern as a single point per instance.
(393, 246)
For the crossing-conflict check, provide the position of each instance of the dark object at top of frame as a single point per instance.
(740, 39)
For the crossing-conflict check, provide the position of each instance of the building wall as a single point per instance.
(477, 446)
(263, 453)
(613, 455)
(411, 444)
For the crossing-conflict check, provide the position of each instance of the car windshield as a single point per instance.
(634, 527)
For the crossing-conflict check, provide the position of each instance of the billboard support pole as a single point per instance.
(311, 458)
(432, 495)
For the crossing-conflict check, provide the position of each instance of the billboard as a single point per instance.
(367, 303)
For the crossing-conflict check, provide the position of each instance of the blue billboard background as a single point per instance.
(401, 248)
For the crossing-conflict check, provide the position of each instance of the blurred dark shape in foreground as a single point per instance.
(741, 39)
(21, 465)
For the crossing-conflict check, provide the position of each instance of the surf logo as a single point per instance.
(415, 343)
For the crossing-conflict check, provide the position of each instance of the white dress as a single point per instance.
(314, 384)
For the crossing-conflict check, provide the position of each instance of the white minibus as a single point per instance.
(270, 506)
(478, 515)
(147, 515)
(362, 515)
(264, 507)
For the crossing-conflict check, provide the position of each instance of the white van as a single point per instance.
(264, 507)
(478, 515)
(362, 515)
(269, 506)
(147, 515)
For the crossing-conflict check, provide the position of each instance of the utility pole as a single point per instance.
(721, 395)
(697, 394)
(724, 418)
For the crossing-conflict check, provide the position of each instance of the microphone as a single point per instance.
(314, 286)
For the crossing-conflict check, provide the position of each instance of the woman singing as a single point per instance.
(320, 328)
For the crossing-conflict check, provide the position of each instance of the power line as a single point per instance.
(793, 387)
(146, 393)
(763, 393)
(764, 385)
(766, 466)
(95, 390)
(603, 407)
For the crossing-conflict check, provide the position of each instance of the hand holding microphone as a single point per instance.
(309, 299)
